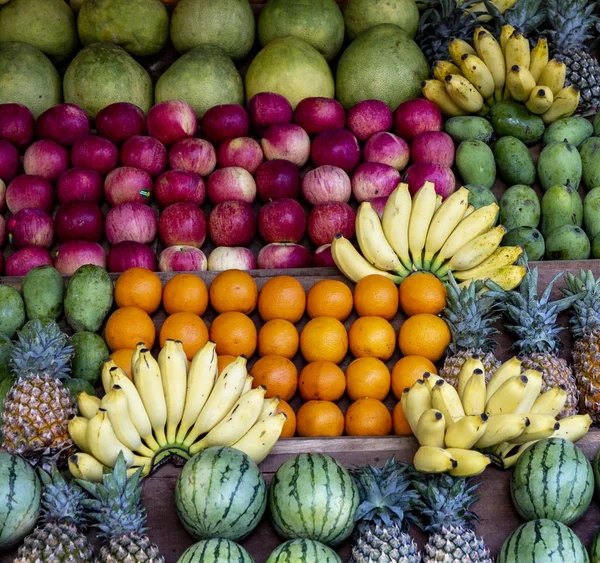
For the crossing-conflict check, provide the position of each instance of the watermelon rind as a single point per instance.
(595, 548)
(216, 550)
(303, 551)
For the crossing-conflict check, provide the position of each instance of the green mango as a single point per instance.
(597, 125)
(519, 207)
(591, 213)
(574, 130)
(568, 242)
(88, 299)
(480, 196)
(5, 350)
(469, 128)
(561, 205)
(530, 239)
(560, 163)
(596, 247)
(43, 291)
(90, 353)
(476, 164)
(514, 162)
(590, 158)
(12, 311)
(512, 119)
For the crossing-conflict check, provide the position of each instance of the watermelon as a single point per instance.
(542, 541)
(595, 548)
(303, 551)
(220, 493)
(216, 550)
(596, 466)
(313, 496)
(554, 480)
(20, 498)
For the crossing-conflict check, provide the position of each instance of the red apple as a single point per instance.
(369, 117)
(17, 125)
(193, 155)
(130, 221)
(327, 219)
(433, 146)
(287, 142)
(46, 159)
(232, 183)
(416, 116)
(316, 115)
(63, 124)
(268, 108)
(171, 120)
(79, 220)
(231, 258)
(2, 231)
(326, 183)
(240, 151)
(2, 196)
(29, 191)
(372, 179)
(19, 263)
(182, 258)
(276, 179)
(441, 176)
(76, 253)
(336, 147)
(119, 121)
(95, 152)
(322, 257)
(227, 120)
(1, 263)
(387, 148)
(129, 254)
(232, 223)
(145, 153)
(128, 184)
(9, 161)
(378, 205)
(80, 184)
(182, 224)
(174, 186)
(30, 227)
(282, 220)
(283, 255)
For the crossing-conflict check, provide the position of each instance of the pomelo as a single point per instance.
(102, 74)
(319, 22)
(360, 15)
(204, 77)
(228, 24)
(48, 25)
(141, 27)
(383, 63)
(28, 77)
(291, 67)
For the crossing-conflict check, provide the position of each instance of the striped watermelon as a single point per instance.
(313, 496)
(220, 493)
(20, 498)
(215, 551)
(595, 548)
(303, 551)
(542, 541)
(554, 480)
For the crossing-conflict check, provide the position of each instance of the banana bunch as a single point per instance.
(168, 409)
(490, 71)
(462, 430)
(422, 233)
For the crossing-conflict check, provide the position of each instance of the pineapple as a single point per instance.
(445, 515)
(60, 537)
(526, 16)
(38, 406)
(382, 516)
(120, 517)
(469, 314)
(533, 320)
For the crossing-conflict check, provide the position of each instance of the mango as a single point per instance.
(597, 125)
(5, 350)
(561, 205)
(514, 162)
(90, 353)
(519, 207)
(43, 291)
(480, 196)
(591, 213)
(590, 159)
(560, 163)
(530, 239)
(510, 118)
(469, 128)
(574, 130)
(12, 311)
(596, 247)
(568, 242)
(76, 386)
(476, 164)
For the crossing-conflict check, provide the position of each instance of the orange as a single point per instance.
(376, 296)
(367, 377)
(185, 292)
(329, 298)
(127, 326)
(122, 358)
(401, 426)
(289, 428)
(186, 327)
(368, 417)
(372, 336)
(319, 418)
(223, 361)
(407, 370)
(233, 290)
(278, 374)
(139, 287)
(234, 333)
(324, 338)
(422, 293)
(424, 335)
(282, 297)
(278, 337)
(322, 380)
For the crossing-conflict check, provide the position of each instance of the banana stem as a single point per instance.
(151, 442)
(442, 271)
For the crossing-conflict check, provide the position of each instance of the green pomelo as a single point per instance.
(360, 15)
(204, 77)
(141, 27)
(103, 74)
(318, 22)
(383, 63)
(28, 77)
(291, 67)
(228, 24)
(48, 25)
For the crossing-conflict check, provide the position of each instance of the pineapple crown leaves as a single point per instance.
(571, 24)
(526, 15)
(586, 309)
(61, 500)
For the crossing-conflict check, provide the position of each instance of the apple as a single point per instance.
(327, 219)
(171, 120)
(268, 108)
(232, 223)
(174, 186)
(227, 120)
(287, 142)
(282, 220)
(80, 184)
(433, 146)
(128, 184)
(326, 183)
(19, 263)
(280, 255)
(182, 258)
(130, 221)
(3, 235)
(9, 161)
(79, 220)
(145, 153)
(46, 159)
(322, 257)
(95, 152)
(231, 258)
(119, 121)
(387, 148)
(1, 263)
(240, 151)
(276, 179)
(129, 254)
(193, 155)
(369, 117)
(29, 191)
(232, 183)
(372, 179)
(182, 224)
(316, 115)
(30, 227)
(17, 125)
(63, 124)
(416, 116)
(336, 147)
(440, 175)
(76, 253)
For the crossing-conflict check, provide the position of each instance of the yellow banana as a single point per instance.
(476, 34)
(540, 100)
(442, 68)
(466, 432)
(554, 76)
(106, 374)
(532, 391)
(103, 443)
(477, 72)
(469, 211)
(509, 369)
(573, 428)
(505, 33)
(490, 52)
(435, 91)
(469, 462)
(172, 363)
(87, 467)
(438, 202)
(78, 432)
(445, 399)
(508, 396)
(433, 460)
(88, 405)
(417, 401)
(551, 402)
(473, 399)
(423, 209)
(247, 384)
(540, 426)
(539, 58)
(502, 428)
(469, 366)
(477, 250)
(520, 82)
(458, 48)
(517, 51)
(565, 104)
(431, 380)
(431, 429)
(463, 93)
(136, 354)
(260, 439)
(502, 256)
(507, 277)
(148, 381)
(269, 407)
(394, 221)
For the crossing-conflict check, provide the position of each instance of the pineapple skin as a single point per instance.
(453, 364)
(385, 545)
(586, 366)
(132, 548)
(456, 545)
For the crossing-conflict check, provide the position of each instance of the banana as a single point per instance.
(470, 462)
(466, 432)
(540, 426)
(416, 401)
(520, 82)
(510, 368)
(510, 460)
(394, 221)
(78, 432)
(435, 91)
(554, 76)
(490, 52)
(105, 374)
(540, 100)
(573, 428)
(469, 366)
(505, 33)
(565, 104)
(88, 405)
(479, 30)
(269, 407)
(476, 251)
(423, 209)
(539, 58)
(442, 68)
(473, 399)
(225, 393)
(260, 439)
(86, 467)
(551, 402)
(103, 443)
(508, 396)
(532, 391)
(352, 264)
(502, 428)
(372, 242)
(517, 51)
(173, 366)
(433, 460)
(463, 93)
(136, 354)
(469, 210)
(444, 398)
(478, 74)
(148, 381)
(431, 429)
(236, 423)
(458, 48)
(507, 277)
(247, 384)
(444, 221)
(431, 379)
(502, 256)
